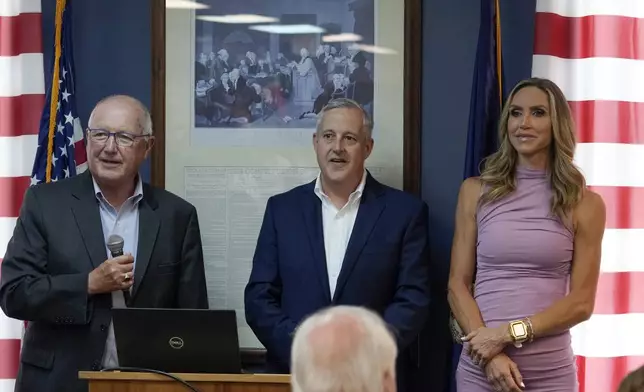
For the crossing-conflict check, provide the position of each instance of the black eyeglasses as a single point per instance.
(122, 138)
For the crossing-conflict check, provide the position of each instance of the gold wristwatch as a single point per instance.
(520, 332)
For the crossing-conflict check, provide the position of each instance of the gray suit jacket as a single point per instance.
(57, 241)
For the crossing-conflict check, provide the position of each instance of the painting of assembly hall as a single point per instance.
(275, 64)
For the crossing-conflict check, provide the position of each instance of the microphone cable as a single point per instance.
(142, 370)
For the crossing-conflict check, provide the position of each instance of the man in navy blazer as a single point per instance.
(343, 239)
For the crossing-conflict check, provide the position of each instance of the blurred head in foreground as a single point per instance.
(633, 382)
(343, 348)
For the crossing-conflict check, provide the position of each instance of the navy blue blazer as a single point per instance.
(386, 266)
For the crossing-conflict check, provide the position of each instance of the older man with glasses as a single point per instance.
(58, 272)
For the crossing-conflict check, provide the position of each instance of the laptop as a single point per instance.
(177, 340)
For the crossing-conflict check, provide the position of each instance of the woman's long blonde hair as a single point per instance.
(566, 181)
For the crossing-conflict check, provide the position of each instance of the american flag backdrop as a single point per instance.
(22, 95)
(61, 147)
(25, 130)
(594, 50)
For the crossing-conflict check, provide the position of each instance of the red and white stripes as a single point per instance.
(22, 96)
(594, 50)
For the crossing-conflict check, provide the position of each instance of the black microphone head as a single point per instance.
(115, 245)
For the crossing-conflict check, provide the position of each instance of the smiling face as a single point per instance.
(342, 145)
(111, 164)
(529, 122)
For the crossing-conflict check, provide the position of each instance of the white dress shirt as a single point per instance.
(337, 227)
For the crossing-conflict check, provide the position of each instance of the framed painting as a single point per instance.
(236, 91)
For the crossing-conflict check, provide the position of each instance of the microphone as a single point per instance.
(115, 245)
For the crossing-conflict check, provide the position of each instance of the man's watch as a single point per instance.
(520, 332)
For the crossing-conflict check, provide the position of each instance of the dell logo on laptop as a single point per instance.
(176, 342)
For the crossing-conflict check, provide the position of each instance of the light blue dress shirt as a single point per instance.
(124, 222)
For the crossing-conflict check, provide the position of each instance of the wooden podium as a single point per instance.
(149, 382)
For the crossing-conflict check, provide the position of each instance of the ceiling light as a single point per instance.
(238, 18)
(184, 4)
(373, 49)
(342, 37)
(289, 29)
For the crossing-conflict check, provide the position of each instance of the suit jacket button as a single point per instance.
(96, 366)
(103, 327)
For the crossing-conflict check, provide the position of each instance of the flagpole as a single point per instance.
(53, 103)
(499, 52)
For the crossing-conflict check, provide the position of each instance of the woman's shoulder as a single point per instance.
(469, 194)
(590, 210)
(472, 186)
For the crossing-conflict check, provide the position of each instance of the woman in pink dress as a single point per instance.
(532, 231)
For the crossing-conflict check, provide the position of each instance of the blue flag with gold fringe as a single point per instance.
(487, 95)
(486, 102)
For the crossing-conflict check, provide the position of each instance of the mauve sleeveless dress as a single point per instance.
(523, 258)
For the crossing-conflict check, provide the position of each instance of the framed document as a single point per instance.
(236, 89)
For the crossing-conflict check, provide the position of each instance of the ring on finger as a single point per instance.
(126, 276)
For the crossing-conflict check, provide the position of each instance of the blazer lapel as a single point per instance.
(87, 215)
(312, 210)
(148, 230)
(371, 207)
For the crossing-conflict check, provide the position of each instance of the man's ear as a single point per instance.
(389, 381)
(148, 148)
(369, 148)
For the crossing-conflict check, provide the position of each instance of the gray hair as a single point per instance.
(346, 103)
(356, 357)
(145, 119)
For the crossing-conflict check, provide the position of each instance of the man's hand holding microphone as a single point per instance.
(115, 273)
